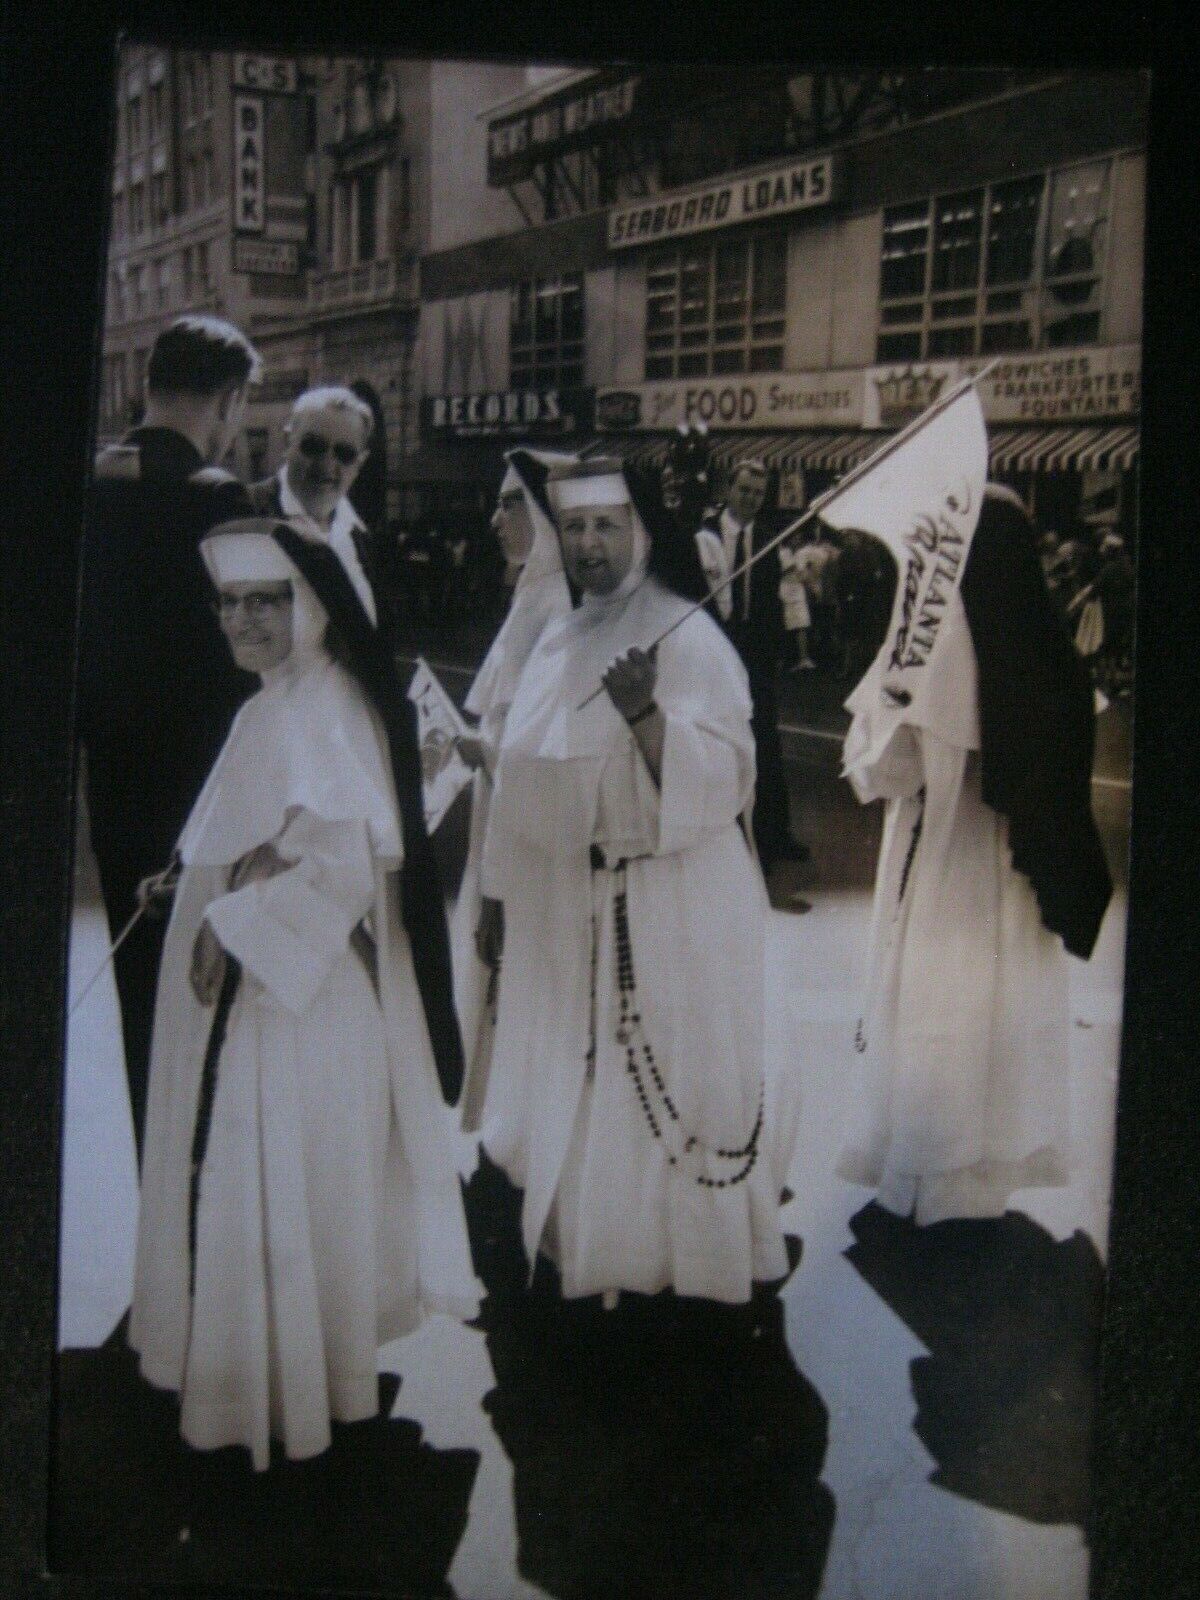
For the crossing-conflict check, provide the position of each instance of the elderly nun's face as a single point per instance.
(597, 543)
(513, 526)
(256, 618)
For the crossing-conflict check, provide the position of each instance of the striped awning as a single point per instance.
(1062, 449)
(1044, 449)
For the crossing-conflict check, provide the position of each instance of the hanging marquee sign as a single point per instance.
(754, 198)
(272, 256)
(272, 74)
(249, 169)
(560, 122)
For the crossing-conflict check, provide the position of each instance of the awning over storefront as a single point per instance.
(1044, 449)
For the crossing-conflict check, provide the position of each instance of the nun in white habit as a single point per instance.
(962, 1096)
(627, 1077)
(526, 531)
(291, 1069)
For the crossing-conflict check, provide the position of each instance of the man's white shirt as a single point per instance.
(339, 535)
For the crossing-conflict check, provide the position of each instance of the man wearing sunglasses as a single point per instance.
(328, 437)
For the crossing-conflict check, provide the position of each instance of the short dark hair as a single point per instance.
(200, 356)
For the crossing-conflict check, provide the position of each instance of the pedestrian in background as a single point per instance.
(751, 612)
(328, 440)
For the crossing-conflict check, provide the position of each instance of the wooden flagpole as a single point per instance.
(855, 475)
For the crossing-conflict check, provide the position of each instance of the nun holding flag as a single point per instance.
(300, 1205)
(975, 725)
(626, 1092)
(526, 531)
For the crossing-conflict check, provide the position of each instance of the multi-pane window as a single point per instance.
(546, 333)
(1076, 227)
(164, 283)
(966, 274)
(714, 308)
(156, 109)
(137, 208)
(360, 219)
(134, 119)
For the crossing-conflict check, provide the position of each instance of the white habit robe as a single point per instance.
(600, 1194)
(961, 1090)
(329, 1218)
(540, 596)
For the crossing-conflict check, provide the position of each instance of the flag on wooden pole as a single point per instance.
(923, 503)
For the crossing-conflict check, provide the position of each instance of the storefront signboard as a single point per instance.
(751, 197)
(508, 412)
(1082, 385)
(779, 400)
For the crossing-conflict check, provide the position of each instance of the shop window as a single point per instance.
(720, 308)
(1076, 231)
(546, 333)
(965, 275)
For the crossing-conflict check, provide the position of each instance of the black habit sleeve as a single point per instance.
(423, 904)
(1037, 726)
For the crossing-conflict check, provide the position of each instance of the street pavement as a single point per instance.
(909, 1421)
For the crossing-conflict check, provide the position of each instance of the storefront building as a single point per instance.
(811, 276)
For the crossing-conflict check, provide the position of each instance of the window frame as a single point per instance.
(966, 322)
(753, 340)
(540, 353)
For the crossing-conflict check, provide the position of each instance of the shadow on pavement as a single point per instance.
(665, 1448)
(1011, 1319)
(379, 1510)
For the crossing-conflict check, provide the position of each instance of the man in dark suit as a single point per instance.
(328, 440)
(157, 687)
(751, 612)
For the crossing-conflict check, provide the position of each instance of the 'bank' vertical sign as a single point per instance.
(250, 186)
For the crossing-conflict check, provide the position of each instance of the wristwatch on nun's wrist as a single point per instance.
(647, 709)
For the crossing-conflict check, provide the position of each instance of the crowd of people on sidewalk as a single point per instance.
(304, 1015)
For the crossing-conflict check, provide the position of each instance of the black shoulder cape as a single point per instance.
(423, 905)
(1037, 725)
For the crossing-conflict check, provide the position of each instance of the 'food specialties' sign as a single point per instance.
(757, 197)
(764, 400)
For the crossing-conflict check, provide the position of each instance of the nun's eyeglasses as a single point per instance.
(259, 603)
(315, 448)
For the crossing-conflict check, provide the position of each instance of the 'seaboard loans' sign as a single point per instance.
(759, 196)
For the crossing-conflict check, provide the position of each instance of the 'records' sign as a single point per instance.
(507, 411)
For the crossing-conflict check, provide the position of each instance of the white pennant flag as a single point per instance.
(923, 502)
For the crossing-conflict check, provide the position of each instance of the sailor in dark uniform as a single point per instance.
(157, 687)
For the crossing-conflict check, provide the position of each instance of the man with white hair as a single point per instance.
(328, 437)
